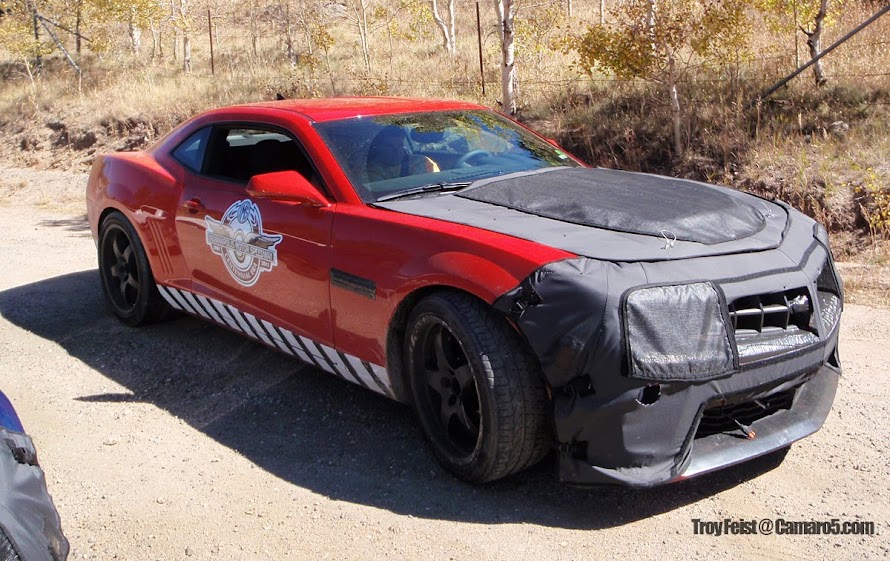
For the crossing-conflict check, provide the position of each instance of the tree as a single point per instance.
(814, 41)
(176, 14)
(35, 28)
(445, 25)
(369, 17)
(810, 17)
(97, 16)
(25, 27)
(20, 33)
(506, 11)
(661, 40)
(538, 30)
(359, 13)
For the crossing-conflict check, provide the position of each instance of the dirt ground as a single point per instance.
(186, 441)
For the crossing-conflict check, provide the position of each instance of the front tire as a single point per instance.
(476, 387)
(127, 281)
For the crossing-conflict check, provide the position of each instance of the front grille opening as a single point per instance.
(724, 418)
(768, 325)
(771, 313)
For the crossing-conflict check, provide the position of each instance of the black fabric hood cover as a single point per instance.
(628, 202)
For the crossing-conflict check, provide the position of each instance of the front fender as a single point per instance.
(464, 271)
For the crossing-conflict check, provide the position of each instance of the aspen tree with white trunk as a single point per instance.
(360, 16)
(506, 11)
(445, 24)
(809, 17)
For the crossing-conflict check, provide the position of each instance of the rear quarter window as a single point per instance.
(190, 152)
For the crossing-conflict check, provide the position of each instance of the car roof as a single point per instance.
(329, 109)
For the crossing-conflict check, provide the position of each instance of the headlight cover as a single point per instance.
(677, 333)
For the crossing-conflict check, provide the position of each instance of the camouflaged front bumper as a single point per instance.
(617, 421)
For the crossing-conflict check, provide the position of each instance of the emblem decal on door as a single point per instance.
(239, 239)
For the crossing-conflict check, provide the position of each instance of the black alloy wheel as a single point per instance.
(450, 390)
(478, 393)
(127, 281)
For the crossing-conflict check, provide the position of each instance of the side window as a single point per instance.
(239, 153)
(191, 152)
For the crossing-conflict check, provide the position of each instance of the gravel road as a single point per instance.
(185, 441)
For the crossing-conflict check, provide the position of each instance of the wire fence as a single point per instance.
(232, 48)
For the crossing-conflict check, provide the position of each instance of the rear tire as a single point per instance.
(477, 390)
(127, 282)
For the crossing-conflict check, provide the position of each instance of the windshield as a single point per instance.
(390, 154)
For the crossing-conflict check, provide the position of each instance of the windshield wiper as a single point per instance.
(439, 187)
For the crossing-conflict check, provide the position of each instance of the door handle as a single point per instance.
(194, 205)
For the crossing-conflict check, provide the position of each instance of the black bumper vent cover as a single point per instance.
(726, 418)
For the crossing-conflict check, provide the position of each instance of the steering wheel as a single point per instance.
(464, 161)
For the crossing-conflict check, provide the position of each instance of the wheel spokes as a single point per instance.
(451, 389)
(449, 397)
(454, 416)
(466, 419)
(464, 377)
(121, 270)
(433, 378)
(123, 289)
(116, 248)
(447, 410)
(127, 254)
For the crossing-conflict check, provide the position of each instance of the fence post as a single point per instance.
(479, 37)
(210, 36)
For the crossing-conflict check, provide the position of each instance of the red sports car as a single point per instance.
(646, 328)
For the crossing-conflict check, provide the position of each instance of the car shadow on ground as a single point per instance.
(311, 429)
(77, 224)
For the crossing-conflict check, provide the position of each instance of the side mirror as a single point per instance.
(285, 186)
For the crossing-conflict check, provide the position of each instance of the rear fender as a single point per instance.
(135, 185)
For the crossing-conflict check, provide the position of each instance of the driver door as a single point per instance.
(264, 257)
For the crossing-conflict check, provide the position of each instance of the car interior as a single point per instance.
(239, 154)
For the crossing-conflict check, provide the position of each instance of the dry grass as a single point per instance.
(867, 276)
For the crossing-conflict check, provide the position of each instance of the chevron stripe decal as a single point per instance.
(350, 368)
